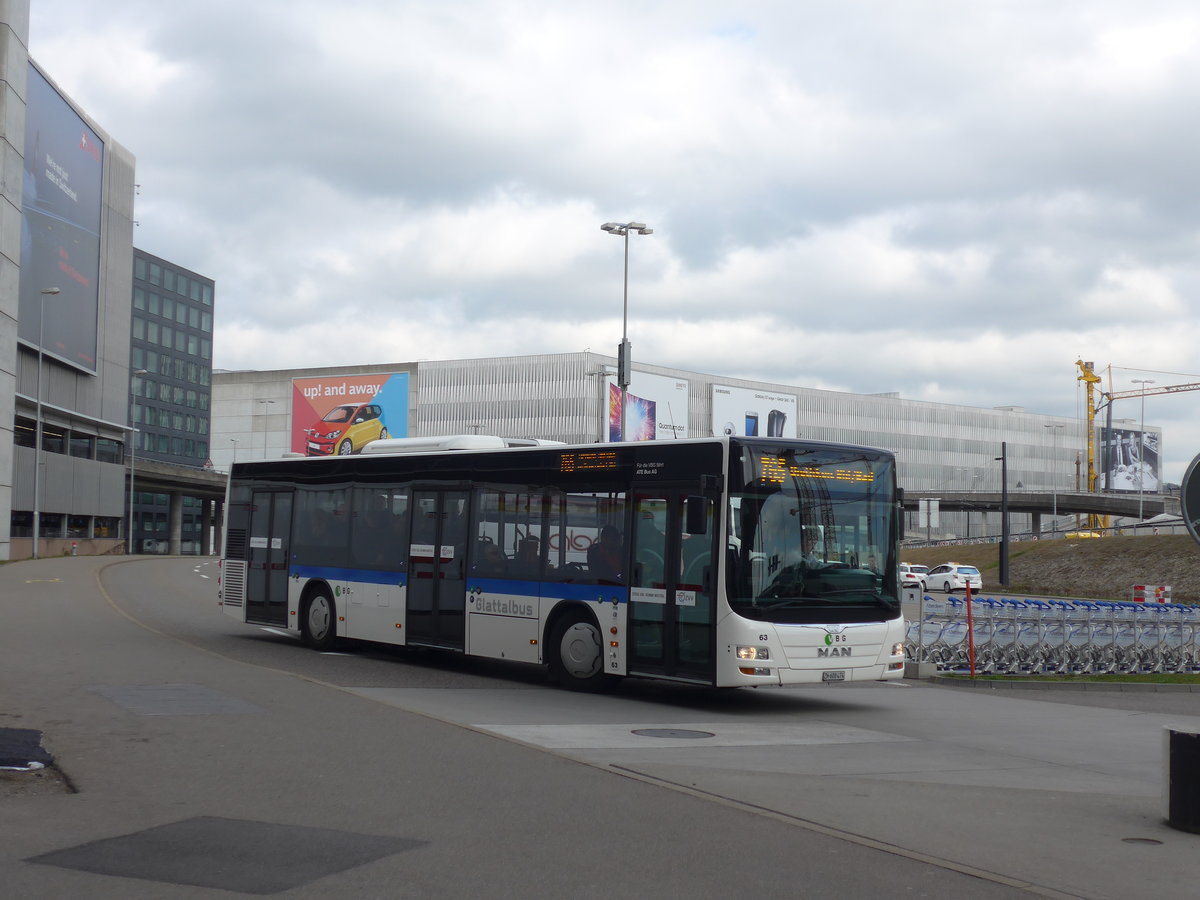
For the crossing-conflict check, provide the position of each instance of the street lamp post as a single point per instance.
(1004, 534)
(234, 441)
(624, 357)
(1142, 446)
(38, 436)
(133, 431)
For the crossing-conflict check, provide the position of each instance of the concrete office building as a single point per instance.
(66, 268)
(569, 397)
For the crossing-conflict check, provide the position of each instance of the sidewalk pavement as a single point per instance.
(196, 774)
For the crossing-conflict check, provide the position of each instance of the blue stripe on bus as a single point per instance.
(363, 576)
(588, 593)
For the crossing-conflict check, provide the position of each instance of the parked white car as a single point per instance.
(951, 577)
(913, 576)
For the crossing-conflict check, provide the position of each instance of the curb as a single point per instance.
(1111, 687)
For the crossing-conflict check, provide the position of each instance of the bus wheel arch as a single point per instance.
(318, 616)
(575, 650)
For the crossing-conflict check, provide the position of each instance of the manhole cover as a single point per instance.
(683, 733)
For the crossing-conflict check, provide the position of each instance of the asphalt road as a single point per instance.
(212, 758)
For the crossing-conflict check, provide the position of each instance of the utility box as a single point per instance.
(1181, 779)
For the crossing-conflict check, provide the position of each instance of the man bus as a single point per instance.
(473, 545)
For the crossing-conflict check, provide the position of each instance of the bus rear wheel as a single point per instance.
(318, 620)
(577, 654)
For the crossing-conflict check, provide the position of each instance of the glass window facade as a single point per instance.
(172, 319)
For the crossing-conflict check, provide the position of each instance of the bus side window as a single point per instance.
(378, 529)
(323, 515)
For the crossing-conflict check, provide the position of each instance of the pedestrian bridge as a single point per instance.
(1047, 503)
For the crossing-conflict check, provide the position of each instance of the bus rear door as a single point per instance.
(437, 566)
(267, 556)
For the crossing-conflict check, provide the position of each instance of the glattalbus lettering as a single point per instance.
(505, 607)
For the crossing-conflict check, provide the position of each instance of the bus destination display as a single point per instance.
(584, 461)
(777, 470)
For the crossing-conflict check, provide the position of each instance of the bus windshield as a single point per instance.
(812, 534)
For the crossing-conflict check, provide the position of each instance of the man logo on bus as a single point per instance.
(833, 651)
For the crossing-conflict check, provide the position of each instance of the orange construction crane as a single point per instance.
(1150, 392)
(1090, 379)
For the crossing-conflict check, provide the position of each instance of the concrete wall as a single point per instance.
(14, 56)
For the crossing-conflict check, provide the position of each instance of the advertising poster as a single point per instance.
(1131, 457)
(337, 415)
(752, 413)
(658, 408)
(60, 227)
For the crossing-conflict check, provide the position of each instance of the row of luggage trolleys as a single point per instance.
(1034, 637)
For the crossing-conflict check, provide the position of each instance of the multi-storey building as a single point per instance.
(171, 362)
(572, 397)
(66, 262)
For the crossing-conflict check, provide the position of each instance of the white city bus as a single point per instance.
(726, 561)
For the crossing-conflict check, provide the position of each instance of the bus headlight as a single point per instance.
(898, 648)
(744, 652)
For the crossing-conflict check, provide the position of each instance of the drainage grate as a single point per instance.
(229, 854)
(683, 733)
(174, 700)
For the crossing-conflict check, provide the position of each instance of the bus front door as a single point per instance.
(266, 571)
(671, 609)
(437, 566)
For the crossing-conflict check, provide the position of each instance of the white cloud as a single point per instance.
(952, 201)
(1133, 293)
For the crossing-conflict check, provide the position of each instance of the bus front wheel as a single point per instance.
(577, 654)
(318, 623)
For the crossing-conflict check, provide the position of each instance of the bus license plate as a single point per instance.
(833, 676)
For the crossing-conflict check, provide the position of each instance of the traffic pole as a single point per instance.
(970, 631)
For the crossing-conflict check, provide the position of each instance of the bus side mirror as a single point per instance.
(900, 510)
(696, 515)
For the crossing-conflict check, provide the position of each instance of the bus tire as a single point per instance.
(318, 620)
(577, 653)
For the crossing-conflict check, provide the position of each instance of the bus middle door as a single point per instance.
(671, 609)
(437, 587)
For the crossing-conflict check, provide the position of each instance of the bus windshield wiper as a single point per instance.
(802, 600)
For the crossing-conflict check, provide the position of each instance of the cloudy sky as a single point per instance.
(954, 201)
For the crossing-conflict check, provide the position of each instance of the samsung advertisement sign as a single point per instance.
(60, 227)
